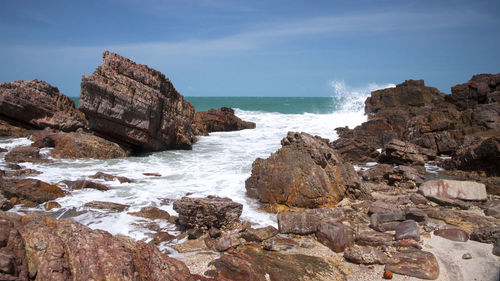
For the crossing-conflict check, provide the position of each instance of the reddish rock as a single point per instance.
(80, 184)
(151, 213)
(335, 236)
(108, 177)
(136, 105)
(453, 234)
(305, 173)
(483, 156)
(465, 190)
(160, 237)
(51, 205)
(152, 174)
(387, 220)
(13, 265)
(38, 104)
(259, 234)
(306, 221)
(414, 263)
(374, 238)
(207, 212)
(84, 145)
(49, 140)
(114, 207)
(30, 189)
(24, 154)
(365, 255)
(220, 120)
(3, 149)
(407, 229)
(387, 274)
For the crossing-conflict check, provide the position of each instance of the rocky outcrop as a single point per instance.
(9, 130)
(85, 145)
(403, 153)
(136, 105)
(305, 173)
(482, 157)
(30, 189)
(218, 120)
(38, 105)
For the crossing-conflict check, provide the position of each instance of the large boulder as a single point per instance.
(85, 145)
(136, 105)
(220, 120)
(305, 173)
(38, 104)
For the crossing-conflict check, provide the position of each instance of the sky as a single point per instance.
(253, 48)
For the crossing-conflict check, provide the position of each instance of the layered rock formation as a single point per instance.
(37, 104)
(220, 120)
(305, 173)
(136, 105)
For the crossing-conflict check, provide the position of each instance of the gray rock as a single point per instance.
(335, 236)
(407, 229)
(365, 255)
(307, 221)
(225, 242)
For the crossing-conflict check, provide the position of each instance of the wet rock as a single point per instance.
(486, 234)
(152, 174)
(114, 207)
(38, 104)
(24, 173)
(452, 189)
(24, 154)
(13, 264)
(220, 120)
(108, 177)
(419, 264)
(374, 238)
(161, 237)
(152, 213)
(3, 150)
(365, 255)
(400, 153)
(30, 189)
(48, 140)
(307, 221)
(335, 236)
(5, 204)
(80, 184)
(51, 205)
(305, 172)
(407, 229)
(136, 105)
(85, 145)
(207, 212)
(259, 234)
(189, 246)
(258, 265)
(226, 242)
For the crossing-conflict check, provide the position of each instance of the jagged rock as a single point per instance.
(464, 220)
(194, 233)
(259, 234)
(482, 157)
(24, 154)
(365, 255)
(84, 145)
(486, 234)
(38, 104)
(492, 208)
(453, 234)
(151, 213)
(114, 207)
(207, 212)
(418, 199)
(480, 89)
(227, 241)
(305, 173)
(398, 175)
(136, 105)
(5, 204)
(257, 265)
(80, 184)
(108, 177)
(214, 232)
(220, 120)
(451, 189)
(355, 150)
(306, 221)
(374, 238)
(335, 236)
(419, 264)
(30, 189)
(9, 130)
(407, 229)
(13, 264)
(401, 153)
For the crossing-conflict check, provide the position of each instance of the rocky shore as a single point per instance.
(411, 194)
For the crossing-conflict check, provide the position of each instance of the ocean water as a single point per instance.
(218, 165)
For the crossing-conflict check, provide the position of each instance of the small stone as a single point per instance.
(407, 229)
(51, 205)
(387, 274)
(162, 237)
(467, 256)
(454, 234)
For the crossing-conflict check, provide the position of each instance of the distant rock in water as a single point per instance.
(304, 173)
(37, 104)
(136, 105)
(220, 120)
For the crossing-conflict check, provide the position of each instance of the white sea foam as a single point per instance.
(218, 165)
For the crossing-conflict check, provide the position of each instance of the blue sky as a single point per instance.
(253, 48)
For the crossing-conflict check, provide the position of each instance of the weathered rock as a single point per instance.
(207, 212)
(335, 236)
(486, 234)
(365, 255)
(152, 174)
(192, 245)
(51, 205)
(480, 89)
(467, 221)
(401, 153)
(259, 234)
(136, 105)
(220, 120)
(84, 145)
(114, 207)
(226, 242)
(453, 234)
(416, 215)
(23, 173)
(419, 264)
(305, 172)
(398, 175)
(492, 208)
(9, 130)
(3, 150)
(255, 265)
(80, 184)
(307, 221)
(151, 213)
(13, 264)
(482, 157)
(385, 221)
(355, 150)
(38, 104)
(5, 204)
(407, 229)
(160, 237)
(214, 232)
(374, 238)
(452, 189)
(24, 154)
(49, 140)
(108, 177)
(464, 205)
(496, 249)
(30, 189)
(418, 199)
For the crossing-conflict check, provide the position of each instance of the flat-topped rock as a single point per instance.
(454, 234)
(136, 105)
(218, 120)
(306, 221)
(452, 189)
(30, 189)
(84, 145)
(415, 263)
(114, 207)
